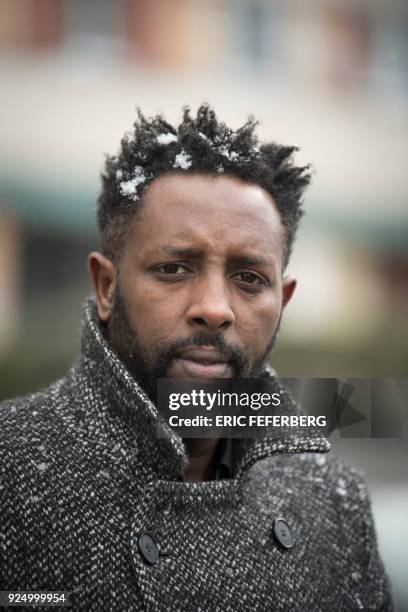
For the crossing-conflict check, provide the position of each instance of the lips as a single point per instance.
(200, 362)
(203, 355)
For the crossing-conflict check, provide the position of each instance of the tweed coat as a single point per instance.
(83, 474)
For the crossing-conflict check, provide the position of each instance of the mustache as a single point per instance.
(231, 352)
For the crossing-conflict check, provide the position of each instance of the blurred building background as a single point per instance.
(327, 75)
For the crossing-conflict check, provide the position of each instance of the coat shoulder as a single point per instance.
(29, 423)
(19, 411)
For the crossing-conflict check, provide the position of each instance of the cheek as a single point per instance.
(151, 313)
(261, 320)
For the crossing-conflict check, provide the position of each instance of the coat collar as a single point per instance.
(113, 389)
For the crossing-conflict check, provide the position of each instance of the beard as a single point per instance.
(125, 341)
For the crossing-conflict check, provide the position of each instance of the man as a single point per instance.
(197, 225)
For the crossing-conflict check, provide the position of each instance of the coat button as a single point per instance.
(283, 533)
(148, 548)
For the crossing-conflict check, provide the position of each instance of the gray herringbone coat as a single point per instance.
(82, 474)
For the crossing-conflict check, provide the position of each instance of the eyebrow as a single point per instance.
(194, 253)
(181, 251)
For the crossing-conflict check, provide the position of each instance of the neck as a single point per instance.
(202, 454)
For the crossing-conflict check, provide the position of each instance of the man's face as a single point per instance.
(198, 292)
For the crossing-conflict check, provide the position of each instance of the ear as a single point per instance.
(288, 288)
(103, 276)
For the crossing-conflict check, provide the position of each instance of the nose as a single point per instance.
(210, 304)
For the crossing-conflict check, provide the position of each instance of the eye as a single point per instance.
(250, 278)
(171, 268)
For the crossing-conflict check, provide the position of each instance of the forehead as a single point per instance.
(220, 214)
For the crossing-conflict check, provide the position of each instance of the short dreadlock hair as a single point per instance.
(202, 145)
